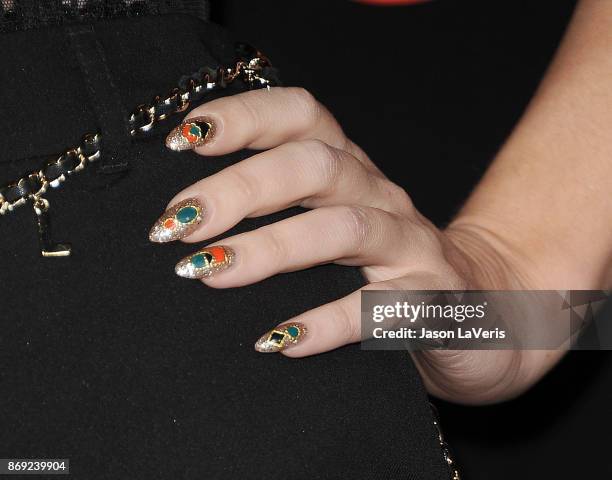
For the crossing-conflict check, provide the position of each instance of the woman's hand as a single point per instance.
(539, 219)
(357, 217)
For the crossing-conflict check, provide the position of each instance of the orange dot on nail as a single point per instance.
(169, 223)
(191, 132)
(218, 253)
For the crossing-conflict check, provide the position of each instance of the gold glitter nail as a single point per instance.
(280, 338)
(205, 262)
(178, 221)
(190, 134)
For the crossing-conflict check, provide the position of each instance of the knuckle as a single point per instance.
(276, 248)
(248, 110)
(326, 161)
(244, 183)
(395, 197)
(401, 197)
(358, 222)
(347, 328)
(307, 105)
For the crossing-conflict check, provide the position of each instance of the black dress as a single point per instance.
(107, 358)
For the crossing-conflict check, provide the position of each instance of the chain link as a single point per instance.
(252, 67)
(53, 174)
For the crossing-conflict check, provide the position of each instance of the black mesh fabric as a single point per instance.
(18, 15)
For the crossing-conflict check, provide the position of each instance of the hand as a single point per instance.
(358, 215)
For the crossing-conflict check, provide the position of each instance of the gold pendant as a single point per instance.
(48, 248)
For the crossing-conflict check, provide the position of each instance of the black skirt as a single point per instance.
(107, 358)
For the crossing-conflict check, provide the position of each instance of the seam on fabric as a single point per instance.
(110, 112)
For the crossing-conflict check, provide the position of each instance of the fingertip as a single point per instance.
(191, 133)
(295, 353)
(281, 338)
(179, 220)
(205, 263)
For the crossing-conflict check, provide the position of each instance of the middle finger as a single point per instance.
(309, 173)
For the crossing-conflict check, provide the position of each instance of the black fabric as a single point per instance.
(16, 15)
(109, 359)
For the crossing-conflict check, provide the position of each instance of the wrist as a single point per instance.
(501, 256)
(486, 258)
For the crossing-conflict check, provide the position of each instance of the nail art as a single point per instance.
(282, 337)
(178, 221)
(205, 262)
(190, 134)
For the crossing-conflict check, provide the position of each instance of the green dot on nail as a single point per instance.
(187, 214)
(201, 260)
(293, 331)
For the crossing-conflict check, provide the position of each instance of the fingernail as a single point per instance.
(190, 134)
(205, 262)
(281, 338)
(178, 221)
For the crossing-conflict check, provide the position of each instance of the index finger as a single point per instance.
(258, 119)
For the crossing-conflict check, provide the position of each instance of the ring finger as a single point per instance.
(345, 235)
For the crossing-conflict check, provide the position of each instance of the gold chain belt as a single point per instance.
(253, 68)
